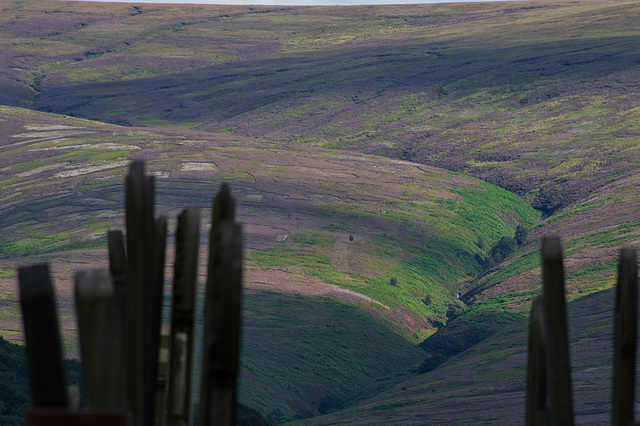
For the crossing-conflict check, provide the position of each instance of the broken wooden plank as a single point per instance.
(42, 336)
(117, 266)
(179, 401)
(141, 277)
(100, 331)
(221, 339)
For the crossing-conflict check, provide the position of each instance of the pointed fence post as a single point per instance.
(179, 401)
(42, 335)
(556, 334)
(141, 280)
(100, 330)
(223, 299)
(537, 411)
(624, 339)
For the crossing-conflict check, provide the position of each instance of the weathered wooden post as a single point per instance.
(142, 279)
(221, 346)
(156, 377)
(163, 372)
(537, 410)
(556, 334)
(624, 339)
(42, 336)
(100, 331)
(117, 267)
(179, 401)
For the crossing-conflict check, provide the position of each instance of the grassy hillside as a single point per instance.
(288, 104)
(318, 222)
(592, 233)
(303, 356)
(536, 97)
(379, 247)
(487, 382)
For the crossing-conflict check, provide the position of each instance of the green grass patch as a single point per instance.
(318, 353)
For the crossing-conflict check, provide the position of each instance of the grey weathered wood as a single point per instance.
(221, 340)
(154, 318)
(117, 264)
(163, 371)
(537, 412)
(100, 330)
(141, 277)
(179, 401)
(624, 339)
(180, 380)
(557, 335)
(42, 336)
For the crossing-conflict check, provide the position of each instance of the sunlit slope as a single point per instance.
(536, 97)
(592, 233)
(326, 233)
(383, 234)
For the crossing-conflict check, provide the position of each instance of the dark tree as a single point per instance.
(427, 300)
(456, 308)
(522, 232)
(505, 247)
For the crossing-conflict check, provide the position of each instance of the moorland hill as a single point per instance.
(351, 136)
(350, 258)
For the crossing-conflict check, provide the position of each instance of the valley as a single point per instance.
(378, 153)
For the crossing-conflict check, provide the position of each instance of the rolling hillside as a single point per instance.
(523, 95)
(486, 384)
(350, 233)
(352, 137)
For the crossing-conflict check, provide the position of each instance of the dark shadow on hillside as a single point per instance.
(462, 333)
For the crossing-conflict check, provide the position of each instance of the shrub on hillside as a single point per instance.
(331, 402)
(522, 233)
(456, 308)
(249, 416)
(427, 300)
(431, 362)
(14, 384)
(505, 248)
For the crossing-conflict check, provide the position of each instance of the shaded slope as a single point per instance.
(15, 393)
(487, 382)
(326, 352)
